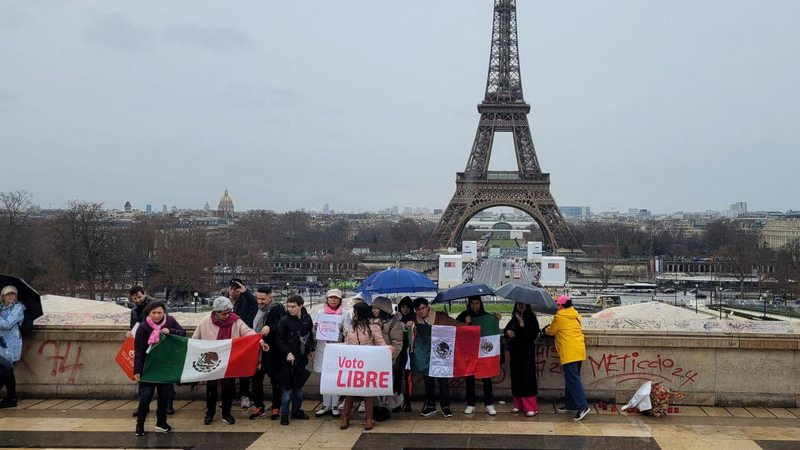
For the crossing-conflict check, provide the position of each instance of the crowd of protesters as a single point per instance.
(289, 349)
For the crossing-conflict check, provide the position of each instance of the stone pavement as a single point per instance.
(79, 423)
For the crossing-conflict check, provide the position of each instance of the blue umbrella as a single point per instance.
(393, 281)
(463, 291)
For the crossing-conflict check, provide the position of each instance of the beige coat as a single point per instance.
(207, 330)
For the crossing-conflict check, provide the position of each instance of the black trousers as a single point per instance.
(488, 398)
(430, 391)
(258, 389)
(244, 387)
(146, 391)
(228, 388)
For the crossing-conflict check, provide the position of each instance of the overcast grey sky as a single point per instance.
(668, 105)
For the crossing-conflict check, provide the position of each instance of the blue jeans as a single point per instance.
(296, 396)
(574, 398)
(165, 394)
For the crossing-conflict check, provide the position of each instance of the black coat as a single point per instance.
(246, 307)
(137, 312)
(522, 350)
(143, 334)
(294, 335)
(271, 360)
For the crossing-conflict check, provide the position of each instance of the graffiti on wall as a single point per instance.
(64, 359)
(621, 367)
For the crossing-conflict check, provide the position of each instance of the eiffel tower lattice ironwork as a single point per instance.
(504, 110)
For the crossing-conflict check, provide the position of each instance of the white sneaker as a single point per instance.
(361, 407)
(245, 403)
(469, 410)
(490, 409)
(531, 413)
(335, 412)
(514, 410)
(322, 411)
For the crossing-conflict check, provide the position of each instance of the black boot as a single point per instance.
(139, 428)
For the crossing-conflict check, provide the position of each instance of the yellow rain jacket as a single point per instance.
(566, 327)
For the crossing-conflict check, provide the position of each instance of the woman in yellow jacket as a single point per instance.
(566, 327)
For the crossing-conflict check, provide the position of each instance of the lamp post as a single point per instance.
(196, 297)
(696, 293)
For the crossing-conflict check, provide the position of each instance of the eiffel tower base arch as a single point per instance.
(531, 196)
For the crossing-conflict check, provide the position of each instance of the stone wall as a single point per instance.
(712, 362)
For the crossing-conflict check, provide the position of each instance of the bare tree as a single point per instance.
(86, 245)
(184, 261)
(14, 209)
(744, 254)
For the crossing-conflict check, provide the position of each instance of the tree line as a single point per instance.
(81, 251)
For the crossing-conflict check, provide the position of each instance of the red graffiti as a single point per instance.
(60, 360)
(630, 366)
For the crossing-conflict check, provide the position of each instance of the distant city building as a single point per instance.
(148, 209)
(736, 209)
(207, 207)
(128, 207)
(164, 208)
(225, 206)
(576, 212)
(326, 209)
(739, 207)
(408, 210)
(174, 209)
(779, 232)
(438, 211)
(395, 210)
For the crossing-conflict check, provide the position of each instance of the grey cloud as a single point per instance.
(252, 96)
(6, 97)
(215, 38)
(117, 32)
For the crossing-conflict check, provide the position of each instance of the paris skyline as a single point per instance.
(672, 107)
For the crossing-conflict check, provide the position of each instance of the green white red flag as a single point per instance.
(444, 351)
(176, 359)
(488, 363)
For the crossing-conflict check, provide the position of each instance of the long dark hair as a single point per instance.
(362, 316)
(481, 310)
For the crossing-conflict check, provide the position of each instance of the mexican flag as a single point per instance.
(444, 351)
(176, 359)
(488, 364)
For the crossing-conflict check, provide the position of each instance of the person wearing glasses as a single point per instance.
(222, 323)
(427, 316)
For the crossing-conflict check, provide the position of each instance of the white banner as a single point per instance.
(328, 326)
(358, 370)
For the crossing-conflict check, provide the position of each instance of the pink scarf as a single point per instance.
(155, 336)
(329, 310)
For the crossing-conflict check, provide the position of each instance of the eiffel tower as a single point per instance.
(504, 110)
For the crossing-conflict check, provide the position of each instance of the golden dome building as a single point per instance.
(225, 206)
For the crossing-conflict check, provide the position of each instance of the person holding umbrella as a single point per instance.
(521, 332)
(566, 327)
(474, 309)
(405, 314)
(12, 313)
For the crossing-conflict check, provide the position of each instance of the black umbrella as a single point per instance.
(465, 290)
(28, 297)
(539, 299)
